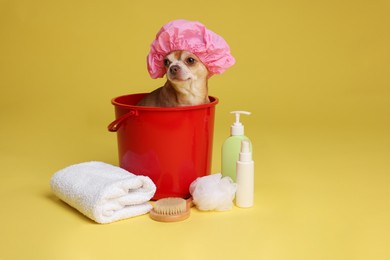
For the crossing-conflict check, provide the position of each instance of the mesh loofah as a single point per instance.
(213, 192)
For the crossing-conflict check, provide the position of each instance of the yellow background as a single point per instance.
(315, 75)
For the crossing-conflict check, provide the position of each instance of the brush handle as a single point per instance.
(190, 203)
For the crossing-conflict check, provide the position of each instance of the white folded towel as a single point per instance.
(103, 192)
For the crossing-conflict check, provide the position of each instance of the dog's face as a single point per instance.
(186, 83)
(184, 66)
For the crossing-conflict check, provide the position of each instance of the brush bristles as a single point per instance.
(170, 206)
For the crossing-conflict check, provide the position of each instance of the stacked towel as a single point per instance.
(103, 192)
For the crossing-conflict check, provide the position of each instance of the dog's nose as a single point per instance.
(174, 69)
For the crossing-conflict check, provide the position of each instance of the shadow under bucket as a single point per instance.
(172, 146)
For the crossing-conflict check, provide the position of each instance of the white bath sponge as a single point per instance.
(213, 192)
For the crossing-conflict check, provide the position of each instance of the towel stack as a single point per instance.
(103, 192)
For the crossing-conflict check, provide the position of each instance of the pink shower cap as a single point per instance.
(210, 48)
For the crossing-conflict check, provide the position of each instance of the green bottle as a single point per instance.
(232, 146)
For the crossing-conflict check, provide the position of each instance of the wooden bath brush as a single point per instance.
(171, 209)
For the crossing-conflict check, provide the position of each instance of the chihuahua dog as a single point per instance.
(186, 83)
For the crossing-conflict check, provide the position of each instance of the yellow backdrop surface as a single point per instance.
(314, 74)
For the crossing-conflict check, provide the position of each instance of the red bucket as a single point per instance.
(172, 146)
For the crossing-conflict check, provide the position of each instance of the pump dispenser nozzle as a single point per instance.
(245, 154)
(238, 128)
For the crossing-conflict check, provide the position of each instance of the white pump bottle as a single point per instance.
(232, 146)
(245, 177)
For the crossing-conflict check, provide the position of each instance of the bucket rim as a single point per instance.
(213, 102)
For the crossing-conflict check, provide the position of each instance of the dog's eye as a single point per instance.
(190, 60)
(166, 62)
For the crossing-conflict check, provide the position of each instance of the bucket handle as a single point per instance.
(114, 126)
